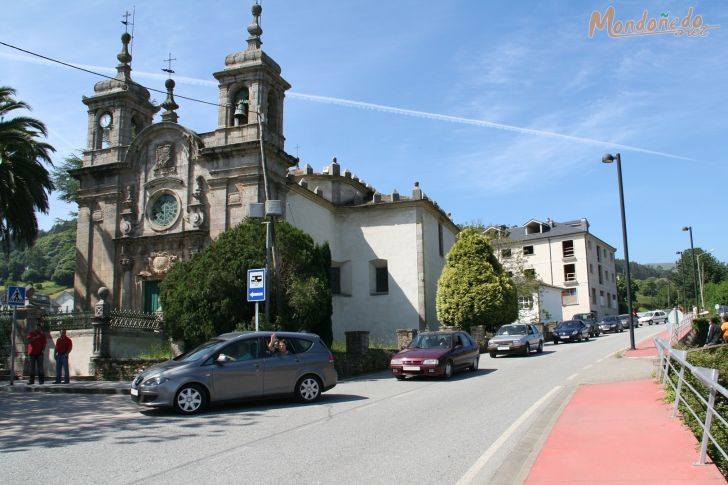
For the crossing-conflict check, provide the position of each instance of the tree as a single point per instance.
(205, 296)
(622, 293)
(65, 183)
(24, 182)
(716, 294)
(473, 288)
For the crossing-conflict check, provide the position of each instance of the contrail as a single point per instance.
(373, 107)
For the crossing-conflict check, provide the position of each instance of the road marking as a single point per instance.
(405, 394)
(586, 367)
(483, 460)
(600, 360)
(572, 376)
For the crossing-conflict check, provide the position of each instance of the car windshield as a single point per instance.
(431, 342)
(568, 325)
(197, 352)
(583, 316)
(512, 330)
(610, 319)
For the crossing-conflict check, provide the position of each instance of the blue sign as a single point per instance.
(16, 295)
(256, 284)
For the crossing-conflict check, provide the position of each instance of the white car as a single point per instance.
(656, 316)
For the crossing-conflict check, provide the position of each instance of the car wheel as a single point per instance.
(492, 355)
(448, 369)
(580, 338)
(556, 342)
(474, 367)
(586, 337)
(308, 389)
(190, 399)
(399, 378)
(540, 346)
(527, 349)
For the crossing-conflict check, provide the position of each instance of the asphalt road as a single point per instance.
(483, 427)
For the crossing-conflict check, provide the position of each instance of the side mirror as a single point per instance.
(221, 359)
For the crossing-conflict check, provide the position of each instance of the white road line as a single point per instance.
(483, 460)
(405, 394)
(572, 376)
(600, 360)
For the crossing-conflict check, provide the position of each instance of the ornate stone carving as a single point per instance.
(161, 262)
(164, 156)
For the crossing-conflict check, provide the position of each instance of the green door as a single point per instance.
(151, 296)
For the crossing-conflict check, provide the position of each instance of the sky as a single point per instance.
(500, 110)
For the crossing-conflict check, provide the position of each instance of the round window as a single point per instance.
(164, 210)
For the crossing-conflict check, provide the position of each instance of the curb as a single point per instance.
(76, 388)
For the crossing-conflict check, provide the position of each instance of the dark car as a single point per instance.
(440, 353)
(571, 331)
(624, 318)
(236, 366)
(611, 323)
(519, 338)
(590, 318)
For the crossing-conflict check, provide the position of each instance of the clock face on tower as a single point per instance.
(164, 211)
(105, 120)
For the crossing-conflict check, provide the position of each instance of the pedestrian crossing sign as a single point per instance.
(16, 295)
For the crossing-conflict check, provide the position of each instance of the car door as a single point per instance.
(281, 371)
(240, 374)
(460, 351)
(534, 337)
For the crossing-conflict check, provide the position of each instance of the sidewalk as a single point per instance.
(621, 433)
(77, 387)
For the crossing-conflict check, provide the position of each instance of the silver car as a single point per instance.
(237, 366)
(519, 338)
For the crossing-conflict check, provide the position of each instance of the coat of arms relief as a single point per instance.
(164, 159)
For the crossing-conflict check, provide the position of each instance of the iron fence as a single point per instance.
(70, 321)
(139, 320)
(676, 361)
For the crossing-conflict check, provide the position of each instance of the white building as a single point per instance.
(563, 255)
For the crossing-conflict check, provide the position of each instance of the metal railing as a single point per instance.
(138, 320)
(706, 377)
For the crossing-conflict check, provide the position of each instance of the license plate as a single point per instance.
(410, 367)
(503, 347)
(134, 392)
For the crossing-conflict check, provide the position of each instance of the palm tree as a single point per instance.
(24, 182)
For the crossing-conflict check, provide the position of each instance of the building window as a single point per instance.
(272, 112)
(569, 297)
(599, 269)
(505, 253)
(525, 302)
(567, 248)
(440, 244)
(594, 296)
(527, 250)
(601, 298)
(599, 254)
(335, 280)
(569, 272)
(379, 277)
(609, 300)
(589, 245)
(151, 296)
(591, 268)
(529, 273)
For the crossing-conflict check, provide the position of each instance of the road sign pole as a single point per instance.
(256, 316)
(12, 348)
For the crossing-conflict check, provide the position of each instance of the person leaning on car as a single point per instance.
(714, 332)
(276, 345)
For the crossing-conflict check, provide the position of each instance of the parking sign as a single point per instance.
(256, 284)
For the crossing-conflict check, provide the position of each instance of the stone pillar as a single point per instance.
(357, 342)
(100, 324)
(405, 336)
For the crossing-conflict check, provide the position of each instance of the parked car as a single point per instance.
(590, 319)
(236, 366)
(655, 316)
(611, 323)
(571, 331)
(519, 338)
(440, 353)
(625, 320)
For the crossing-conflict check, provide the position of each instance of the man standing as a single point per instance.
(36, 348)
(63, 348)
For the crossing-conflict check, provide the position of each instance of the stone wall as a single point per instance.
(121, 369)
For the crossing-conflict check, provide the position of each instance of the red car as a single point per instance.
(439, 353)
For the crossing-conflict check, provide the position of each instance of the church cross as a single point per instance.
(169, 60)
(126, 21)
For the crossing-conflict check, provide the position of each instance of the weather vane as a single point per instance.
(169, 60)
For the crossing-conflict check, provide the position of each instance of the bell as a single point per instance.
(240, 112)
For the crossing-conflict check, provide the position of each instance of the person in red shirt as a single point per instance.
(63, 348)
(36, 349)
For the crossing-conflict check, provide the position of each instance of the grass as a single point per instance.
(46, 287)
(156, 351)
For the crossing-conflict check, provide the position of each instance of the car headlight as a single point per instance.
(430, 361)
(396, 362)
(154, 381)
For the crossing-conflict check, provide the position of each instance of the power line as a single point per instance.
(108, 77)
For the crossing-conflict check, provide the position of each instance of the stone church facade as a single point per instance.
(154, 192)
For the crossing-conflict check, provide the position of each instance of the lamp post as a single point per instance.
(695, 265)
(701, 277)
(607, 158)
(682, 279)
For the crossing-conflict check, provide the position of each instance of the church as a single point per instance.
(153, 192)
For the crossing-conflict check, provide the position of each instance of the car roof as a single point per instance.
(267, 334)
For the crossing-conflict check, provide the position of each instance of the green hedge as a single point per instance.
(715, 358)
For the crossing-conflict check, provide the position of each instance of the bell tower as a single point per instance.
(251, 92)
(117, 111)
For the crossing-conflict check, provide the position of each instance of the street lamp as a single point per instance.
(695, 265)
(682, 279)
(701, 277)
(607, 158)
